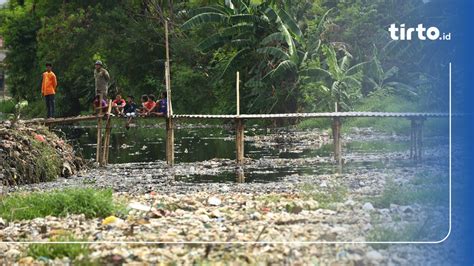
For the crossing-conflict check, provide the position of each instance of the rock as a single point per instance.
(323, 184)
(26, 261)
(368, 207)
(367, 227)
(256, 216)
(350, 202)
(216, 214)
(406, 209)
(374, 256)
(393, 206)
(139, 206)
(12, 253)
(214, 201)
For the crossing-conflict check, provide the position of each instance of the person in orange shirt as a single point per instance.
(48, 89)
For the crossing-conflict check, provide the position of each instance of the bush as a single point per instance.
(48, 164)
(87, 201)
(409, 194)
(59, 250)
(326, 197)
(7, 107)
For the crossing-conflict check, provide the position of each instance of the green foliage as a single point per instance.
(315, 123)
(293, 56)
(7, 107)
(90, 202)
(339, 84)
(60, 250)
(408, 194)
(48, 164)
(326, 197)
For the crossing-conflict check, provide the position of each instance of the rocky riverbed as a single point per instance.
(302, 204)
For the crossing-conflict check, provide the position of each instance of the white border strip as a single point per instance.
(284, 242)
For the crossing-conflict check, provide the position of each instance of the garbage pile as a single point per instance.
(33, 154)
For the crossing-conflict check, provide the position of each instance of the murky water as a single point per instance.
(146, 143)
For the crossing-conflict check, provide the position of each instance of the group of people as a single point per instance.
(120, 107)
(128, 108)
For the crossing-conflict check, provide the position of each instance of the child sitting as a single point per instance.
(161, 106)
(97, 105)
(118, 105)
(149, 105)
(130, 111)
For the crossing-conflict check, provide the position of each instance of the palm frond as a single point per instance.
(274, 52)
(210, 17)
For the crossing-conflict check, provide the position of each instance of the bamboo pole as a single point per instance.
(99, 131)
(169, 116)
(237, 85)
(420, 140)
(168, 72)
(336, 133)
(105, 152)
(239, 140)
(169, 141)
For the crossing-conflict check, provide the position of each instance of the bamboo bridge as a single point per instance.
(416, 140)
(417, 120)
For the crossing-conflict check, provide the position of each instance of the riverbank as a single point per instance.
(380, 195)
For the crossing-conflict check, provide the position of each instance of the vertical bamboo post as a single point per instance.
(239, 140)
(240, 175)
(237, 86)
(169, 116)
(420, 140)
(239, 127)
(412, 138)
(99, 131)
(105, 152)
(169, 141)
(336, 133)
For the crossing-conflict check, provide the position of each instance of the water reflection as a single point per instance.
(146, 143)
(240, 174)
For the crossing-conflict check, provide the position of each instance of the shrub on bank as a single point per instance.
(61, 250)
(90, 202)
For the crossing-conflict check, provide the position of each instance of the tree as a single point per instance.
(339, 83)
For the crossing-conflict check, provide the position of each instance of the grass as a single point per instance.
(7, 107)
(327, 197)
(428, 230)
(383, 103)
(48, 164)
(411, 232)
(378, 145)
(77, 253)
(323, 123)
(90, 202)
(408, 194)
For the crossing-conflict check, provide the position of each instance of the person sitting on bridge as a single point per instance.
(130, 108)
(97, 106)
(144, 99)
(130, 111)
(161, 105)
(118, 105)
(149, 105)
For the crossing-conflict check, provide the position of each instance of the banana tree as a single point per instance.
(383, 81)
(338, 83)
(268, 36)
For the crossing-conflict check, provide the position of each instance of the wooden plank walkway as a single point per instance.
(417, 120)
(64, 120)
